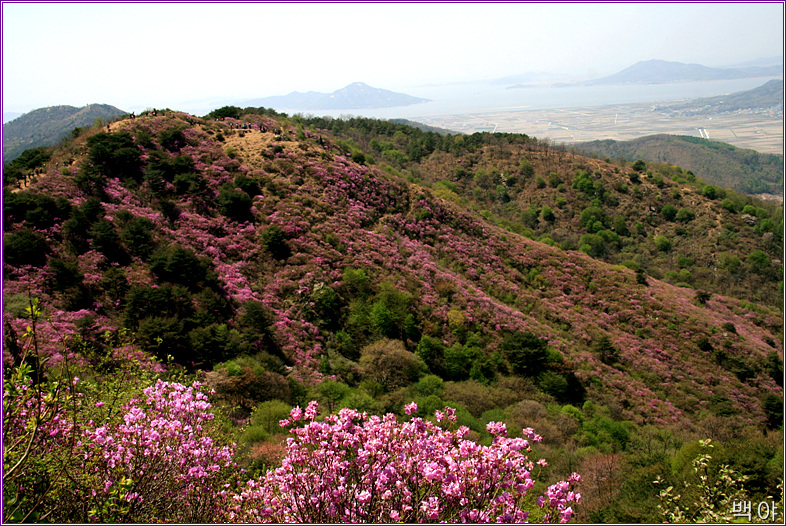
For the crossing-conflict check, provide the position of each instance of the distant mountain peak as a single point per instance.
(357, 95)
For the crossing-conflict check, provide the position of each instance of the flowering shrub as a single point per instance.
(157, 462)
(35, 423)
(161, 458)
(352, 467)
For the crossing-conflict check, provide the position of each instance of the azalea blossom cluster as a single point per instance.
(163, 456)
(352, 467)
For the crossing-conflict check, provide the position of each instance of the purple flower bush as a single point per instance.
(159, 459)
(352, 467)
(162, 454)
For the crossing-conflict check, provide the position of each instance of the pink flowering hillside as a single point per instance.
(367, 264)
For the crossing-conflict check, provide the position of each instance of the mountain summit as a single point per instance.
(357, 95)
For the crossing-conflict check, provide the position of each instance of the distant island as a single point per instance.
(662, 72)
(353, 97)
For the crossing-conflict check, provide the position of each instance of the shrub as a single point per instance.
(583, 183)
(709, 191)
(269, 414)
(639, 166)
(390, 364)
(355, 468)
(161, 460)
(592, 245)
(158, 459)
(717, 489)
(685, 215)
(758, 261)
(662, 243)
(668, 212)
(729, 205)
(592, 215)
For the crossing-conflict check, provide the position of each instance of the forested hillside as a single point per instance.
(718, 163)
(621, 310)
(46, 126)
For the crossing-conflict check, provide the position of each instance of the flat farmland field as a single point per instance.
(761, 131)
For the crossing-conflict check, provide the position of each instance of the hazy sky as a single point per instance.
(174, 54)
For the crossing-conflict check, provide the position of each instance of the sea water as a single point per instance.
(484, 97)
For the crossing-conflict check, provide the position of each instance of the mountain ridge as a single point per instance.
(46, 126)
(661, 71)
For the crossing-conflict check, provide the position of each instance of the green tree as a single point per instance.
(525, 352)
(274, 241)
(639, 166)
(115, 155)
(390, 364)
(25, 247)
(234, 203)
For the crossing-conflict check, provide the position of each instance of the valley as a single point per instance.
(761, 131)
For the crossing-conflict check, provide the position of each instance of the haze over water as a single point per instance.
(481, 97)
